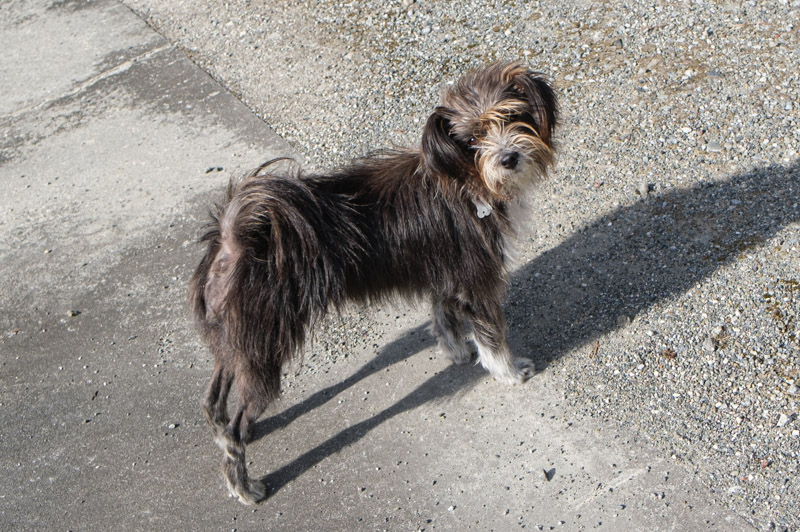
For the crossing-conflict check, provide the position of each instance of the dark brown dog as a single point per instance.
(433, 223)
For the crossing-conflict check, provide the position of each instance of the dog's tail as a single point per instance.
(271, 269)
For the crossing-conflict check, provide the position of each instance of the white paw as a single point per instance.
(521, 370)
(525, 368)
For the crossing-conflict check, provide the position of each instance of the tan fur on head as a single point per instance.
(500, 139)
(495, 124)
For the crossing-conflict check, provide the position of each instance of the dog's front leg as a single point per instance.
(449, 327)
(489, 332)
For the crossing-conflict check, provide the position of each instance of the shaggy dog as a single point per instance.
(431, 223)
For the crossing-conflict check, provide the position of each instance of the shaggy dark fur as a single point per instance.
(285, 249)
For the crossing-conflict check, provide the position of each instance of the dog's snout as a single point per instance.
(510, 160)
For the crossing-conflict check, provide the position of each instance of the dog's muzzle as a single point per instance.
(510, 160)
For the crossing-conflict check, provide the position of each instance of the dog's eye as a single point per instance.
(472, 141)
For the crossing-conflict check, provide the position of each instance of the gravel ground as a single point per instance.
(661, 279)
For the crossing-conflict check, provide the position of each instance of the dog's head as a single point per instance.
(494, 124)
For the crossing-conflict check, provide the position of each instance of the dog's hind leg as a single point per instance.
(216, 400)
(231, 435)
(489, 333)
(449, 327)
(253, 398)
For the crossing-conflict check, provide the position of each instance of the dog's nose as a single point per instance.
(510, 160)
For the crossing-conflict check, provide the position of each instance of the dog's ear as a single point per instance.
(542, 100)
(441, 153)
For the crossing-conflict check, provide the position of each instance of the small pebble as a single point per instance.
(709, 345)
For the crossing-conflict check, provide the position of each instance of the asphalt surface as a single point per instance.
(114, 146)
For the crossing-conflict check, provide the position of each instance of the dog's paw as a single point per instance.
(254, 491)
(459, 354)
(525, 368)
(521, 370)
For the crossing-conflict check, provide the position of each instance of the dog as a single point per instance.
(434, 223)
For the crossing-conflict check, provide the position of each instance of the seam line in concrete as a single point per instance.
(89, 82)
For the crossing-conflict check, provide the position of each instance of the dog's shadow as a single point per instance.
(407, 345)
(624, 262)
(592, 283)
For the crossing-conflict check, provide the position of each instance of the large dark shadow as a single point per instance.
(618, 266)
(627, 260)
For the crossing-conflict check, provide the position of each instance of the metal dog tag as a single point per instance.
(484, 209)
